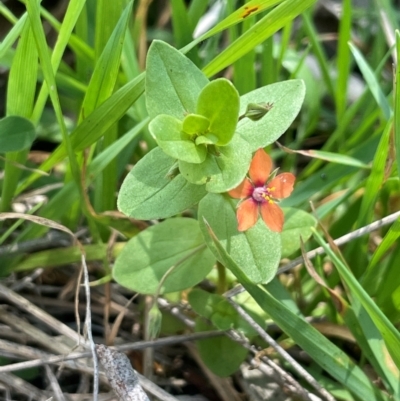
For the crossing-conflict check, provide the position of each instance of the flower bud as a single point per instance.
(256, 111)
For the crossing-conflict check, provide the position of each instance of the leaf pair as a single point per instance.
(212, 123)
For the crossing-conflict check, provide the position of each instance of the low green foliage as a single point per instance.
(191, 125)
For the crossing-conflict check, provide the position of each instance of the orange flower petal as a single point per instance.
(247, 214)
(282, 185)
(260, 168)
(272, 215)
(244, 190)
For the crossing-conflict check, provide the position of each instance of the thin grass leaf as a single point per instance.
(105, 74)
(374, 348)
(244, 71)
(20, 97)
(80, 48)
(61, 256)
(71, 16)
(268, 66)
(373, 271)
(328, 156)
(343, 60)
(397, 104)
(8, 14)
(372, 82)
(12, 35)
(383, 324)
(284, 44)
(95, 125)
(319, 52)
(104, 158)
(388, 14)
(44, 56)
(365, 332)
(267, 26)
(376, 177)
(182, 28)
(107, 15)
(252, 7)
(196, 10)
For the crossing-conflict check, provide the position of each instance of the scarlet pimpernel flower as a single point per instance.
(260, 194)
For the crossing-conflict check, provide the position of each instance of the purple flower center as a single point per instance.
(261, 194)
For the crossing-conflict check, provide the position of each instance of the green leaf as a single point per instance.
(213, 307)
(297, 224)
(219, 102)
(194, 124)
(222, 355)
(16, 133)
(222, 171)
(173, 82)
(174, 248)
(174, 142)
(219, 311)
(257, 251)
(286, 99)
(148, 193)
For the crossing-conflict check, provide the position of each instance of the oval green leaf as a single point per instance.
(222, 355)
(219, 311)
(298, 223)
(257, 251)
(147, 257)
(285, 98)
(219, 101)
(194, 124)
(16, 133)
(220, 172)
(150, 191)
(173, 82)
(171, 139)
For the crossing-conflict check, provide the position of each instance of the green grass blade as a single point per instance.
(105, 74)
(8, 14)
(372, 82)
(397, 104)
(268, 66)
(71, 16)
(182, 28)
(252, 7)
(196, 10)
(107, 15)
(12, 36)
(77, 45)
(102, 84)
(44, 56)
(343, 59)
(374, 348)
(376, 178)
(383, 324)
(20, 97)
(244, 71)
(373, 271)
(95, 125)
(319, 52)
(100, 162)
(267, 26)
